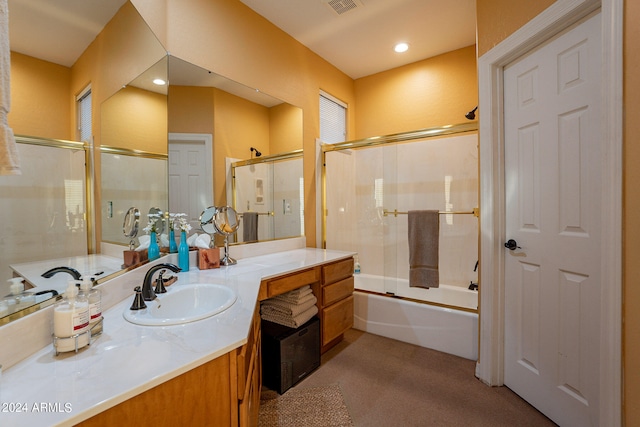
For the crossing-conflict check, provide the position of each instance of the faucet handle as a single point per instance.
(138, 301)
(160, 289)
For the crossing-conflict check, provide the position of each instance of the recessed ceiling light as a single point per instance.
(159, 82)
(401, 47)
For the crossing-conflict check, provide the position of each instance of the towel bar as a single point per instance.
(475, 212)
(270, 213)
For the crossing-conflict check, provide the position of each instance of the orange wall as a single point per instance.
(236, 125)
(286, 128)
(239, 124)
(124, 49)
(40, 98)
(497, 19)
(434, 92)
(230, 39)
(135, 119)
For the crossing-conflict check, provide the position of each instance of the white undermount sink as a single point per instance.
(183, 304)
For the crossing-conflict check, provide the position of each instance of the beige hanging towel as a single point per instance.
(424, 236)
(9, 162)
(250, 230)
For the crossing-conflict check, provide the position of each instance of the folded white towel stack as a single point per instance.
(292, 309)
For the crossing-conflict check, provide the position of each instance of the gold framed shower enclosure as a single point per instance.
(404, 137)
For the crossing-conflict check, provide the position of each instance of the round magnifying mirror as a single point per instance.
(159, 221)
(226, 221)
(131, 222)
(130, 225)
(206, 221)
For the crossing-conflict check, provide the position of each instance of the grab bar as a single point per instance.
(270, 213)
(475, 212)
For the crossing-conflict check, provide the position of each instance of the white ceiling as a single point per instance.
(57, 31)
(359, 42)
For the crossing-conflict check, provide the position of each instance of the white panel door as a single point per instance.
(190, 184)
(552, 186)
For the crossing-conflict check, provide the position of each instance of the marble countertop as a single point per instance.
(127, 359)
(87, 265)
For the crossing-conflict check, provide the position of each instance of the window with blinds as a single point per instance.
(333, 119)
(83, 107)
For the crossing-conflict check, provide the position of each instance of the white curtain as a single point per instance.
(9, 161)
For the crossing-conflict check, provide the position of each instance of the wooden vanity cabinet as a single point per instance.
(202, 396)
(332, 284)
(336, 302)
(222, 392)
(226, 391)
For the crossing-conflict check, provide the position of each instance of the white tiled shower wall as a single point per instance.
(42, 211)
(281, 182)
(129, 181)
(434, 173)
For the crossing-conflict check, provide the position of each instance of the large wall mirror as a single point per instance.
(60, 179)
(143, 126)
(269, 194)
(133, 152)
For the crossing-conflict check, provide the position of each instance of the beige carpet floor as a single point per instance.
(390, 383)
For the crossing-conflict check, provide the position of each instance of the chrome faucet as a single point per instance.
(72, 271)
(148, 293)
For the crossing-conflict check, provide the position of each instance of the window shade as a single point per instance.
(333, 121)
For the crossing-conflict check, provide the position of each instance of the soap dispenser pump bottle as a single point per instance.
(19, 297)
(71, 321)
(94, 297)
(356, 266)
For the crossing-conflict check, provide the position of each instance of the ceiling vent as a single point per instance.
(342, 6)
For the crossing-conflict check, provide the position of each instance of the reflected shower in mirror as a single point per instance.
(64, 225)
(205, 107)
(269, 194)
(130, 179)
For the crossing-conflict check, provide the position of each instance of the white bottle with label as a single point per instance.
(94, 297)
(71, 319)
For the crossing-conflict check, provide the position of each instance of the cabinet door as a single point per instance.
(249, 408)
(336, 319)
(245, 354)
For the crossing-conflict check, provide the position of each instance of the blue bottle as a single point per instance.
(154, 249)
(173, 247)
(183, 252)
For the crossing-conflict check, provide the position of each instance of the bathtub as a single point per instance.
(446, 329)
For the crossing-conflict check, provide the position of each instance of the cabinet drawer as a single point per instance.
(337, 291)
(337, 271)
(291, 282)
(336, 319)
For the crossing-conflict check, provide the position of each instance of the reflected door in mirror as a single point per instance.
(190, 178)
